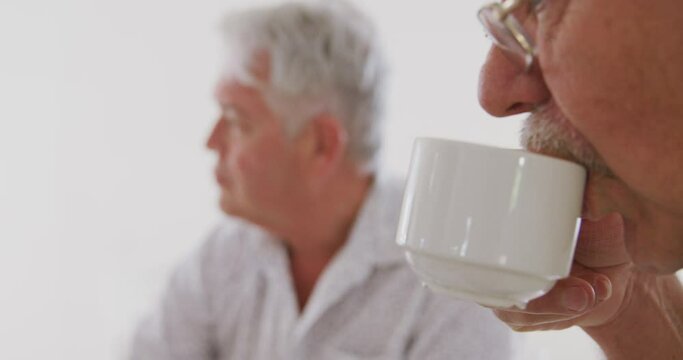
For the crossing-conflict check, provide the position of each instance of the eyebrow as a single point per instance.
(238, 114)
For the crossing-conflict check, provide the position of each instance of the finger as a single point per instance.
(601, 242)
(570, 296)
(559, 325)
(554, 310)
(599, 281)
(517, 320)
(563, 297)
(568, 300)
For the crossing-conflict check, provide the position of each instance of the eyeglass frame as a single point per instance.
(503, 14)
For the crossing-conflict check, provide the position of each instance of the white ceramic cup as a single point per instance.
(496, 226)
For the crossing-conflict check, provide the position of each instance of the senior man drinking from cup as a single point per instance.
(602, 82)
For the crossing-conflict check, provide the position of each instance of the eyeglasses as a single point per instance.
(506, 30)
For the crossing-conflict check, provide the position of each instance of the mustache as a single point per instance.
(547, 131)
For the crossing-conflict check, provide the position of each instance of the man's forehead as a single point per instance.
(253, 68)
(246, 78)
(232, 94)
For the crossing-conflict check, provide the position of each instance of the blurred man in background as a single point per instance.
(603, 83)
(311, 270)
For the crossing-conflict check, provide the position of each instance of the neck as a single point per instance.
(322, 224)
(316, 232)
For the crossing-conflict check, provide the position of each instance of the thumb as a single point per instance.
(601, 242)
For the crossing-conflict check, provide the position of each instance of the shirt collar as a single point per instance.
(372, 239)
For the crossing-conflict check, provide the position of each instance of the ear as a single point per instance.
(329, 142)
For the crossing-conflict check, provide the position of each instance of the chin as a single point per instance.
(228, 206)
(227, 210)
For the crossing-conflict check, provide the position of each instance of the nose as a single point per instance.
(214, 141)
(506, 89)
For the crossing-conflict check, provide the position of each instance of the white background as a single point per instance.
(104, 181)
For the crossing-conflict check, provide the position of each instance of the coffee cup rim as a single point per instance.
(531, 154)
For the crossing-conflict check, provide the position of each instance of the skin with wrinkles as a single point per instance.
(606, 91)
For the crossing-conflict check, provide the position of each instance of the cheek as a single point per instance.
(599, 70)
(583, 65)
(245, 164)
(257, 164)
(236, 168)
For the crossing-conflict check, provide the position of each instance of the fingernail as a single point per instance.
(575, 299)
(603, 288)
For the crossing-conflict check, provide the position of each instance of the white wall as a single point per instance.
(104, 182)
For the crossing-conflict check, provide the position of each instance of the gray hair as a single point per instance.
(324, 57)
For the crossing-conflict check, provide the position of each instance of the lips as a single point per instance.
(221, 178)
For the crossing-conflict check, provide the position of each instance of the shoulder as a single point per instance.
(229, 245)
(378, 220)
(228, 237)
(228, 251)
(471, 327)
(389, 188)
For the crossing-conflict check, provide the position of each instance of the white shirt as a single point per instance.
(234, 299)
